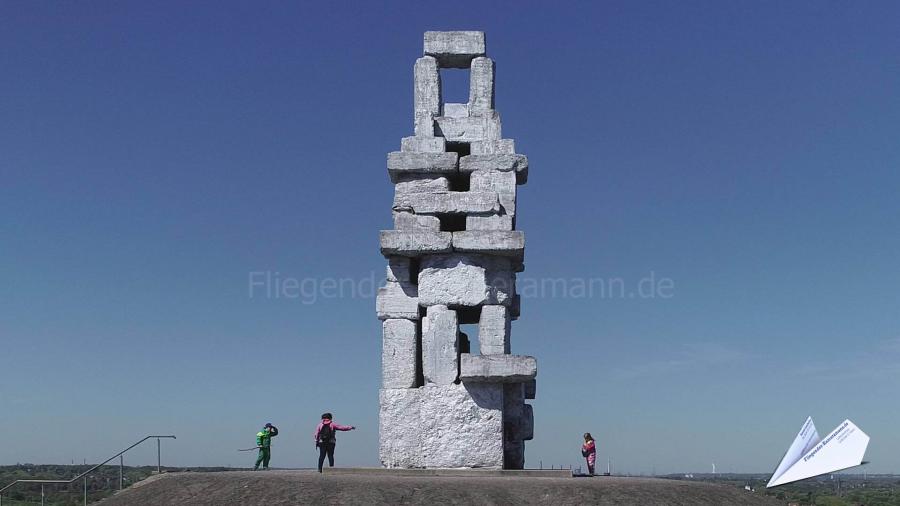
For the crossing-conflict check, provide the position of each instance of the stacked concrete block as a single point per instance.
(497, 368)
(494, 327)
(398, 356)
(454, 49)
(440, 346)
(462, 280)
(481, 86)
(427, 96)
(453, 255)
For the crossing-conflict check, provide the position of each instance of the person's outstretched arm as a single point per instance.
(342, 427)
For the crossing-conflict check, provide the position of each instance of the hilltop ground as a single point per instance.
(308, 487)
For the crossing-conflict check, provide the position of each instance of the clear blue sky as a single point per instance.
(152, 155)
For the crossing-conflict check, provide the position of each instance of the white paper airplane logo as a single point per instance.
(810, 456)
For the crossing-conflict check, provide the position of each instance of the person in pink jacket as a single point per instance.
(325, 438)
(589, 452)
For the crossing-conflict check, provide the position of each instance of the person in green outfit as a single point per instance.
(264, 443)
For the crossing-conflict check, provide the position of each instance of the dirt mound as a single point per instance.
(308, 487)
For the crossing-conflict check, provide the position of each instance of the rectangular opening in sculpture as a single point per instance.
(461, 148)
(471, 333)
(455, 86)
(452, 222)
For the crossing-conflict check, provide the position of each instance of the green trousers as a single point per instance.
(264, 455)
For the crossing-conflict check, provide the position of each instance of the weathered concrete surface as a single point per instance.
(397, 300)
(423, 144)
(469, 129)
(448, 202)
(481, 86)
(398, 354)
(418, 183)
(498, 146)
(497, 368)
(307, 487)
(514, 426)
(501, 162)
(405, 220)
(456, 110)
(503, 183)
(400, 163)
(442, 426)
(462, 425)
(398, 269)
(427, 95)
(493, 330)
(440, 346)
(494, 221)
(465, 280)
(515, 163)
(400, 441)
(498, 242)
(414, 243)
(454, 49)
(530, 389)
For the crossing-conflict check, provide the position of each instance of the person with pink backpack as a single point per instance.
(326, 440)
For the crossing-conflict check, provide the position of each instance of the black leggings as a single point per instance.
(326, 449)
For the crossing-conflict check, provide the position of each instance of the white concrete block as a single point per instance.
(501, 162)
(490, 222)
(456, 110)
(462, 425)
(416, 183)
(448, 202)
(407, 221)
(400, 434)
(481, 86)
(414, 243)
(423, 144)
(454, 49)
(397, 300)
(402, 163)
(497, 368)
(503, 183)
(398, 354)
(494, 330)
(440, 346)
(497, 242)
(499, 146)
(471, 129)
(427, 95)
(465, 280)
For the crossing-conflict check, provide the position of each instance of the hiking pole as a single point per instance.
(249, 449)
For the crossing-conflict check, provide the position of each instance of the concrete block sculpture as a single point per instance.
(452, 259)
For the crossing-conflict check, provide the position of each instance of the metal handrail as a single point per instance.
(82, 475)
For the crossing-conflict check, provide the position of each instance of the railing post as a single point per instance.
(158, 457)
(85, 491)
(42, 494)
(121, 470)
